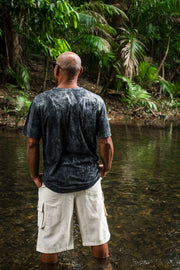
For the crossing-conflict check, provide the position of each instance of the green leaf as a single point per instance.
(147, 74)
(167, 88)
(95, 43)
(136, 95)
(86, 19)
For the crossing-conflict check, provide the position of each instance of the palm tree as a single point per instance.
(158, 22)
(94, 35)
(132, 51)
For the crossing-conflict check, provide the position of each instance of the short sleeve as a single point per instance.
(32, 127)
(102, 124)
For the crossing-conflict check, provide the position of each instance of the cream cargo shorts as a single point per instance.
(55, 219)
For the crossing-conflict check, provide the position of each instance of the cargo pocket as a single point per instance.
(41, 215)
(50, 214)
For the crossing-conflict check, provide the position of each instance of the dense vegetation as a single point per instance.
(131, 46)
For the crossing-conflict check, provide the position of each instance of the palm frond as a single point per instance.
(109, 30)
(94, 44)
(98, 17)
(132, 51)
(102, 8)
(101, 31)
(95, 24)
(86, 19)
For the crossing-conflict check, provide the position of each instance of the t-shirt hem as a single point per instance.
(30, 135)
(104, 136)
(69, 190)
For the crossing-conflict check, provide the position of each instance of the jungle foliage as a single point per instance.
(135, 42)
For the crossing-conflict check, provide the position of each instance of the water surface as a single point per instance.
(141, 197)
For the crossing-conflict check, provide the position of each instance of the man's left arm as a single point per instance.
(106, 153)
(33, 157)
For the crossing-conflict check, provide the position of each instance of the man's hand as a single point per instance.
(38, 180)
(103, 173)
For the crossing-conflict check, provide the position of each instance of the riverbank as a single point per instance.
(117, 113)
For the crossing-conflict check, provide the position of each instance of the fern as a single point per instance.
(22, 107)
(147, 74)
(167, 88)
(136, 95)
(22, 77)
(22, 104)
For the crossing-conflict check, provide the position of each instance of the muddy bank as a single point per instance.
(117, 113)
(8, 121)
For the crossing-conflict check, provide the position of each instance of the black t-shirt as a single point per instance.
(68, 121)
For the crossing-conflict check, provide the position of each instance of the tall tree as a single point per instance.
(160, 28)
(11, 21)
(94, 36)
(45, 21)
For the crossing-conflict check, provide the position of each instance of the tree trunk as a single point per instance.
(45, 72)
(98, 78)
(165, 56)
(16, 50)
(106, 85)
(12, 42)
(7, 50)
(163, 72)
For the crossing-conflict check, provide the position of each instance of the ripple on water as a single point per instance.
(141, 197)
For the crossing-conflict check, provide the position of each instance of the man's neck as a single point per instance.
(62, 85)
(67, 84)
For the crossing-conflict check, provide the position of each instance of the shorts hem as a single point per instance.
(50, 251)
(97, 243)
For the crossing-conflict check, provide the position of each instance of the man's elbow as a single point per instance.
(107, 140)
(32, 143)
(107, 143)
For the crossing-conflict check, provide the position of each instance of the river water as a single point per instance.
(141, 196)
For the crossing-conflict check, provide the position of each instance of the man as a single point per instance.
(68, 118)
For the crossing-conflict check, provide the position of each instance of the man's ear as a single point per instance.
(56, 72)
(80, 72)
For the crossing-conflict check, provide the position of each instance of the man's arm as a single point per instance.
(106, 152)
(33, 157)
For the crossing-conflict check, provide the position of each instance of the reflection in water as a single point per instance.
(141, 196)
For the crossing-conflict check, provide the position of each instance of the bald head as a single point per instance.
(70, 63)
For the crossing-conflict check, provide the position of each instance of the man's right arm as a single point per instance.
(106, 153)
(33, 157)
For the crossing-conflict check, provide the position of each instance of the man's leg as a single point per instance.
(92, 220)
(101, 251)
(49, 261)
(54, 224)
(101, 254)
(49, 258)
